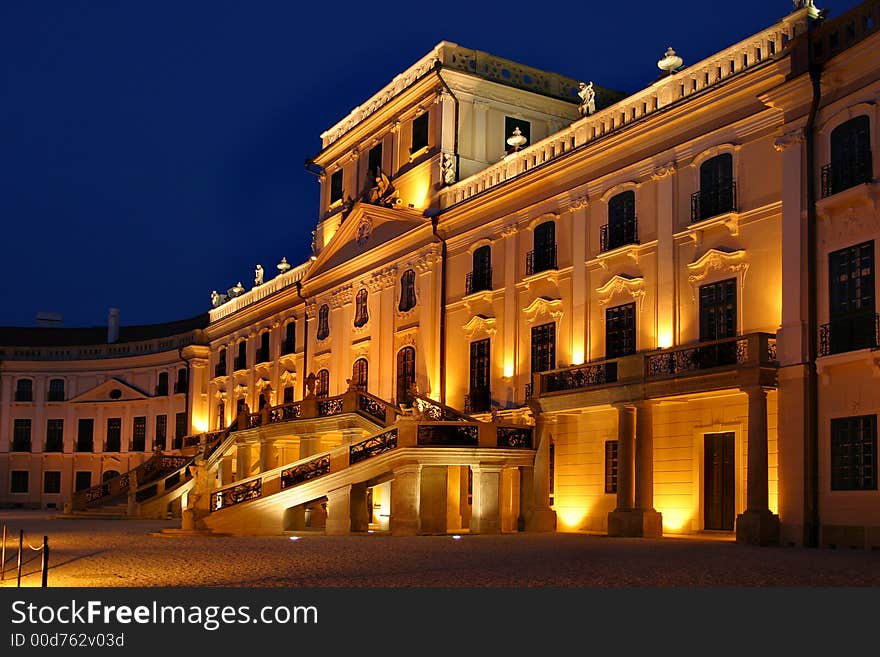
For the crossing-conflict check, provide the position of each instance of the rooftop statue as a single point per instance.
(258, 275)
(218, 299)
(382, 191)
(588, 99)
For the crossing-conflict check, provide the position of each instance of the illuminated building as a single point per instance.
(621, 304)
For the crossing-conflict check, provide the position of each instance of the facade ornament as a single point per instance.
(218, 299)
(670, 62)
(717, 260)
(617, 284)
(788, 140)
(517, 140)
(543, 307)
(479, 325)
(258, 276)
(382, 191)
(283, 266)
(663, 171)
(447, 168)
(364, 230)
(236, 290)
(588, 98)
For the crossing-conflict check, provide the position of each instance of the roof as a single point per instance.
(25, 336)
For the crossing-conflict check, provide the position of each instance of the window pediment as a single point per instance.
(479, 325)
(543, 308)
(632, 286)
(717, 260)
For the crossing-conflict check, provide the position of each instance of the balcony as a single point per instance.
(288, 347)
(849, 333)
(712, 202)
(542, 259)
(180, 387)
(240, 363)
(477, 281)
(478, 400)
(839, 176)
(612, 236)
(577, 378)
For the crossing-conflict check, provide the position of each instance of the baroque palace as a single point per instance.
(534, 304)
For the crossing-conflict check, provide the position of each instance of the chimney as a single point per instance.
(49, 320)
(113, 325)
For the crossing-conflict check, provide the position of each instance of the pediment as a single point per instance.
(479, 325)
(366, 227)
(107, 392)
(543, 308)
(634, 286)
(715, 260)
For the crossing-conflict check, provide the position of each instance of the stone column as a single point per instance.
(432, 499)
(651, 521)
(453, 497)
(226, 475)
(268, 455)
(243, 461)
(360, 514)
(625, 520)
(405, 500)
(542, 518)
(757, 525)
(486, 512)
(339, 511)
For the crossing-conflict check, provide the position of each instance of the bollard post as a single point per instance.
(3, 556)
(44, 564)
(20, 544)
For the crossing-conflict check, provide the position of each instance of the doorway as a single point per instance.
(719, 492)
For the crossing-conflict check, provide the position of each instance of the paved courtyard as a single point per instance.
(113, 553)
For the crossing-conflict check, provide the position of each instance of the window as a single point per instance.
(543, 257)
(114, 434)
(180, 425)
(289, 345)
(718, 321)
(851, 311)
(359, 374)
(85, 432)
(52, 482)
(374, 161)
(220, 368)
(620, 330)
(336, 187)
(361, 315)
(221, 415)
(622, 227)
(18, 481)
(322, 384)
(407, 291)
(55, 435)
(21, 436)
(419, 133)
(850, 156)
(544, 347)
(56, 390)
(24, 390)
(82, 480)
(241, 406)
(162, 386)
(854, 453)
(480, 277)
(323, 322)
(479, 397)
(159, 441)
(610, 466)
(510, 126)
(263, 351)
(181, 383)
(406, 374)
(139, 434)
(717, 193)
(288, 395)
(241, 356)
(262, 401)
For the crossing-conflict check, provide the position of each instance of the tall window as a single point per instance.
(21, 435)
(160, 440)
(322, 384)
(180, 384)
(543, 257)
(407, 291)
(479, 396)
(85, 435)
(850, 156)
(220, 369)
(480, 277)
(359, 374)
(82, 480)
(610, 466)
(19, 481)
(139, 434)
(263, 351)
(620, 330)
(622, 227)
(851, 306)
(323, 322)
(180, 425)
(406, 374)
(55, 435)
(56, 390)
(361, 315)
(854, 453)
(336, 187)
(288, 395)
(24, 390)
(717, 193)
(289, 345)
(374, 161)
(52, 482)
(241, 356)
(510, 126)
(162, 385)
(544, 347)
(221, 415)
(114, 434)
(718, 321)
(419, 133)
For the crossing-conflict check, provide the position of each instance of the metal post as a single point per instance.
(3, 556)
(20, 544)
(44, 564)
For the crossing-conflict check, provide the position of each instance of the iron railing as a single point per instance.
(583, 376)
(838, 176)
(542, 259)
(250, 490)
(746, 350)
(515, 437)
(478, 280)
(849, 333)
(713, 201)
(297, 474)
(613, 236)
(478, 400)
(431, 435)
(372, 446)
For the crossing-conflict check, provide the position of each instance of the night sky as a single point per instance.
(153, 151)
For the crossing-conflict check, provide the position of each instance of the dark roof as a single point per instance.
(38, 336)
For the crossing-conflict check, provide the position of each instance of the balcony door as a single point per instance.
(718, 321)
(851, 307)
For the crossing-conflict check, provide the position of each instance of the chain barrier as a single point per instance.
(42, 548)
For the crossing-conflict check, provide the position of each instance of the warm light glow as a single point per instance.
(508, 369)
(664, 339)
(675, 520)
(570, 518)
(419, 197)
(577, 356)
(200, 424)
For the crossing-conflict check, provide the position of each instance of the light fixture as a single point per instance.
(517, 140)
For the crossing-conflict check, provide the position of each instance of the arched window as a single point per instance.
(24, 390)
(241, 356)
(622, 227)
(406, 374)
(480, 277)
(220, 367)
(359, 374)
(543, 257)
(322, 384)
(289, 346)
(263, 351)
(717, 193)
(162, 385)
(407, 291)
(181, 384)
(108, 475)
(361, 315)
(323, 322)
(850, 156)
(56, 390)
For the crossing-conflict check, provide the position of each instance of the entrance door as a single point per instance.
(718, 493)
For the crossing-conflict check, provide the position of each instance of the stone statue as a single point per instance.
(258, 275)
(310, 384)
(588, 99)
(215, 299)
(447, 168)
(235, 291)
(382, 191)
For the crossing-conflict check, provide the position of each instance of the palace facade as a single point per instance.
(641, 314)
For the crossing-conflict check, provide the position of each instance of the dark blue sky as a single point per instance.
(153, 151)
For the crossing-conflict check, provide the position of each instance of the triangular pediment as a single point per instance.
(107, 392)
(363, 229)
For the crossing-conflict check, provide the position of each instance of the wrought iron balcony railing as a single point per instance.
(848, 333)
(612, 236)
(542, 259)
(477, 281)
(745, 350)
(711, 202)
(839, 176)
(583, 376)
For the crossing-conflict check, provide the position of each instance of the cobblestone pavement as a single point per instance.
(113, 553)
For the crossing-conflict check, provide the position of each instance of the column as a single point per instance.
(665, 329)
(481, 110)
(511, 313)
(268, 455)
(243, 462)
(338, 511)
(226, 476)
(541, 517)
(627, 519)
(757, 525)
(432, 499)
(453, 497)
(405, 501)
(486, 511)
(652, 522)
(579, 231)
